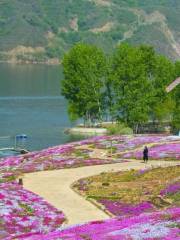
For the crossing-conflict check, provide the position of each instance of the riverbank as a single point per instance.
(98, 129)
(28, 55)
(86, 131)
(50, 61)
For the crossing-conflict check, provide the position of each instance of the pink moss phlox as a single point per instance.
(22, 211)
(147, 226)
(162, 151)
(118, 208)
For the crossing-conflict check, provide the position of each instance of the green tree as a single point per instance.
(130, 87)
(84, 68)
(163, 103)
(176, 96)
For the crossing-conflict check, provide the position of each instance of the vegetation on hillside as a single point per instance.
(57, 25)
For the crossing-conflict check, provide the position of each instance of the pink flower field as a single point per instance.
(131, 142)
(58, 157)
(167, 151)
(151, 226)
(24, 215)
(22, 211)
(64, 156)
(122, 209)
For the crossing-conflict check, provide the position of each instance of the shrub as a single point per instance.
(119, 128)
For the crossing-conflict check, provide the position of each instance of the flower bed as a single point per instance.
(157, 225)
(164, 151)
(69, 155)
(50, 162)
(59, 157)
(129, 142)
(132, 192)
(22, 211)
(121, 209)
(171, 189)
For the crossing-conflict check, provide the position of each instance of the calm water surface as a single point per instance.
(31, 104)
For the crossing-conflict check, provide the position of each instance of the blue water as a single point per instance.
(31, 104)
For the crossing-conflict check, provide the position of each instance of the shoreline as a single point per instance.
(50, 62)
(86, 131)
(99, 129)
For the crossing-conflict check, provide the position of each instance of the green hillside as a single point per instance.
(39, 30)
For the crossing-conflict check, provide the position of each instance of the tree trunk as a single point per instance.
(137, 128)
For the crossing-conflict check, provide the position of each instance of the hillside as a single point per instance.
(42, 30)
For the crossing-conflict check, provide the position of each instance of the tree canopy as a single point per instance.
(129, 86)
(84, 83)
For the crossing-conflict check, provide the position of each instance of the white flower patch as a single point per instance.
(145, 230)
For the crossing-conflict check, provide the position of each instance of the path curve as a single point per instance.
(55, 187)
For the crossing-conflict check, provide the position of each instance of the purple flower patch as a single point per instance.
(171, 189)
(119, 209)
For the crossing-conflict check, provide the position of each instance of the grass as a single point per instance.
(132, 187)
(79, 153)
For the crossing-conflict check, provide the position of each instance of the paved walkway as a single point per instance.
(54, 186)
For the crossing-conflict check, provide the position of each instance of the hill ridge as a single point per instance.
(54, 26)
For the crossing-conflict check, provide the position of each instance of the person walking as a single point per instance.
(145, 154)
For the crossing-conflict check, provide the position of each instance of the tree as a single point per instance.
(176, 96)
(163, 103)
(84, 68)
(130, 88)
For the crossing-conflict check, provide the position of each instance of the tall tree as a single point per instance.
(176, 96)
(130, 87)
(83, 86)
(163, 75)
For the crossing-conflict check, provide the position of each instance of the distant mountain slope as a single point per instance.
(39, 30)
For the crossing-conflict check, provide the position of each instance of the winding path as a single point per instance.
(55, 187)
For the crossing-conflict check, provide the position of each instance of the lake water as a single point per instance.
(31, 104)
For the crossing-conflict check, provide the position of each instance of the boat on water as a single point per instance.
(7, 152)
(17, 149)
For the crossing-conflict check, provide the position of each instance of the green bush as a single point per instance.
(119, 128)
